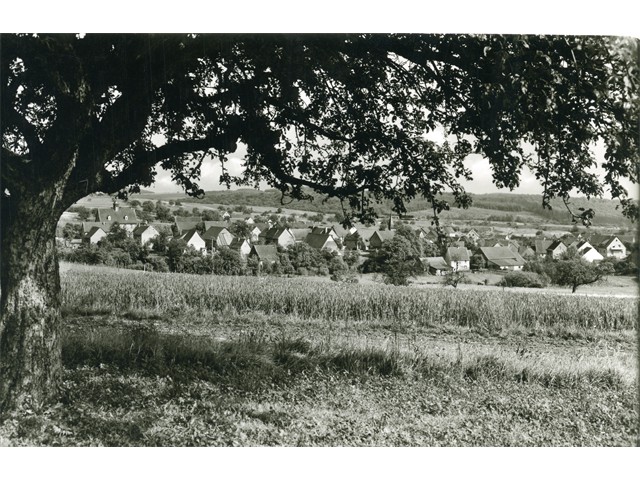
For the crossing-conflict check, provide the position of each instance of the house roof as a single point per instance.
(265, 252)
(212, 223)
(190, 235)
(94, 230)
(502, 256)
(319, 240)
(162, 227)
(555, 244)
(213, 232)
(384, 234)
(185, 226)
(141, 229)
(274, 233)
(122, 215)
(299, 233)
(340, 230)
(87, 226)
(540, 246)
(458, 254)
(237, 243)
(365, 232)
(438, 263)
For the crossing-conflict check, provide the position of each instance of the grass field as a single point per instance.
(153, 359)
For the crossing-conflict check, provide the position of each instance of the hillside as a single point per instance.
(503, 207)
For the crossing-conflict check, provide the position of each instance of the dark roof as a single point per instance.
(274, 233)
(117, 215)
(438, 263)
(237, 243)
(458, 254)
(365, 232)
(185, 226)
(319, 240)
(265, 252)
(502, 256)
(299, 233)
(340, 230)
(93, 230)
(384, 234)
(141, 229)
(555, 244)
(540, 246)
(87, 226)
(212, 223)
(190, 234)
(213, 232)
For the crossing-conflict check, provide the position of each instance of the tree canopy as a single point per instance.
(342, 114)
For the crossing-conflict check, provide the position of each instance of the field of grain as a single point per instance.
(165, 359)
(103, 290)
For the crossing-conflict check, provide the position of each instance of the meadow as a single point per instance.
(169, 359)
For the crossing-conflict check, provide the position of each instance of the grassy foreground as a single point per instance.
(233, 376)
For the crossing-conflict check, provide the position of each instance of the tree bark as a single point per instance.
(30, 348)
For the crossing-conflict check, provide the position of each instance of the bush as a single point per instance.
(157, 264)
(524, 279)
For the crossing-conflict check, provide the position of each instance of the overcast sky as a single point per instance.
(479, 166)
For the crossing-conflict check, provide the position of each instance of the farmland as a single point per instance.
(169, 359)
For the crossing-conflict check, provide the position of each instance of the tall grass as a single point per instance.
(118, 292)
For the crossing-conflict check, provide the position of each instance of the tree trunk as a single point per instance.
(30, 348)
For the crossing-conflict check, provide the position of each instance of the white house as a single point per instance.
(458, 258)
(145, 233)
(193, 238)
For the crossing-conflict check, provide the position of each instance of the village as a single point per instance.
(259, 237)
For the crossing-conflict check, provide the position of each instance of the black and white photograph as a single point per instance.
(319, 239)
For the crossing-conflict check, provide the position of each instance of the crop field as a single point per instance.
(169, 359)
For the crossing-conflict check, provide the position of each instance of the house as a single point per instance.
(254, 234)
(87, 226)
(540, 248)
(610, 247)
(183, 227)
(472, 235)
(321, 230)
(526, 252)
(125, 216)
(556, 249)
(322, 241)
(213, 223)
(94, 235)
(249, 221)
(281, 236)
(378, 237)
(427, 234)
(193, 239)
(458, 258)
(502, 258)
(300, 234)
(340, 231)
(364, 235)
(436, 265)
(241, 245)
(353, 241)
(145, 233)
(265, 254)
(590, 254)
(449, 232)
(217, 237)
